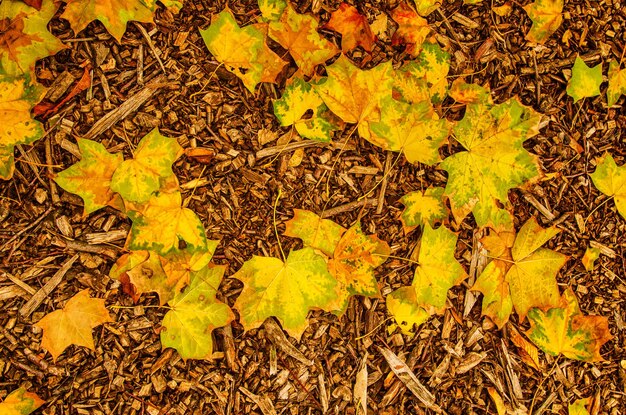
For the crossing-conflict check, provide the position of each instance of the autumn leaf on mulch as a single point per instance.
(271, 10)
(298, 100)
(590, 257)
(138, 178)
(242, 51)
(353, 263)
(415, 130)
(437, 271)
(17, 126)
(547, 16)
(24, 37)
(315, 232)
(73, 324)
(579, 407)
(565, 330)
(286, 290)
(494, 160)
(194, 314)
(354, 28)
(617, 83)
(413, 29)
(297, 33)
(163, 223)
(422, 208)
(113, 14)
(522, 275)
(20, 402)
(355, 95)
(585, 81)
(425, 78)
(610, 179)
(90, 178)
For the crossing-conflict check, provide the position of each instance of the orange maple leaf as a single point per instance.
(353, 27)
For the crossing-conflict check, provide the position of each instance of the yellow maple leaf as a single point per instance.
(20, 402)
(610, 179)
(73, 324)
(547, 16)
(242, 50)
(355, 95)
(617, 83)
(17, 126)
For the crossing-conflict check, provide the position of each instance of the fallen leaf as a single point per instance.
(412, 29)
(423, 208)
(437, 271)
(424, 78)
(494, 160)
(497, 401)
(585, 81)
(590, 257)
(565, 330)
(353, 263)
(46, 109)
(415, 130)
(297, 33)
(242, 50)
(426, 7)
(272, 10)
(579, 407)
(137, 179)
(24, 37)
(355, 95)
(528, 351)
(113, 14)
(73, 324)
(610, 179)
(194, 314)
(617, 83)
(17, 126)
(522, 277)
(297, 101)
(90, 178)
(354, 28)
(315, 232)
(163, 223)
(285, 290)
(20, 402)
(547, 16)
(34, 3)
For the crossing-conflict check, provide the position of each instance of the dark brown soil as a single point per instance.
(41, 227)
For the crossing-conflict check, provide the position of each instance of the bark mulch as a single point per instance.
(457, 356)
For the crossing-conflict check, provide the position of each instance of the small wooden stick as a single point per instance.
(348, 207)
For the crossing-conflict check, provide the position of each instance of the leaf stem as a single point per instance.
(275, 227)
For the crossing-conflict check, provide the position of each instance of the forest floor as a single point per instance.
(459, 356)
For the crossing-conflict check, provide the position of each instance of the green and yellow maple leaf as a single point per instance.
(353, 263)
(579, 407)
(73, 324)
(113, 14)
(271, 10)
(437, 271)
(617, 83)
(422, 208)
(194, 314)
(522, 275)
(494, 160)
(242, 50)
(564, 330)
(298, 99)
(24, 37)
(415, 130)
(17, 126)
(355, 95)
(425, 78)
(285, 290)
(138, 178)
(610, 179)
(163, 224)
(90, 178)
(354, 28)
(315, 232)
(585, 81)
(413, 29)
(547, 16)
(426, 7)
(297, 33)
(166, 275)
(20, 402)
